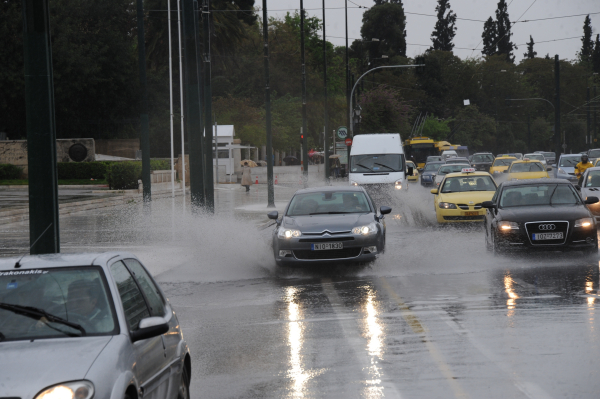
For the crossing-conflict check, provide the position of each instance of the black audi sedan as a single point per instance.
(329, 224)
(482, 161)
(540, 214)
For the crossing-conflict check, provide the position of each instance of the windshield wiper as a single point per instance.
(37, 314)
(366, 167)
(385, 166)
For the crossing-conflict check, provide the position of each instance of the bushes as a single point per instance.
(10, 172)
(82, 170)
(123, 175)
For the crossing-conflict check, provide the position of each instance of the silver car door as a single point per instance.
(149, 353)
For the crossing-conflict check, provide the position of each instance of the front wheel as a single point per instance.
(488, 245)
(184, 385)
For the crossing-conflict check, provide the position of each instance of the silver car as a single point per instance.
(590, 187)
(88, 326)
(566, 167)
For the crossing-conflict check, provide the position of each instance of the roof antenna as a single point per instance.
(18, 264)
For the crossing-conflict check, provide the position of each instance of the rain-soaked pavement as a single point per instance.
(434, 317)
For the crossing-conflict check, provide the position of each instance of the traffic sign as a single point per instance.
(348, 141)
(342, 132)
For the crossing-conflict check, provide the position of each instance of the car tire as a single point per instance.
(184, 385)
(488, 246)
(496, 251)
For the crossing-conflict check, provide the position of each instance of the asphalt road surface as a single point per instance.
(434, 317)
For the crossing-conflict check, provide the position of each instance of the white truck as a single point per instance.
(378, 159)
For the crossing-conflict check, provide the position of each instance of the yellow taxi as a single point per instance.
(597, 162)
(415, 175)
(459, 197)
(501, 164)
(527, 169)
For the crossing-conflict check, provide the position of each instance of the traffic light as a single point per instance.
(301, 138)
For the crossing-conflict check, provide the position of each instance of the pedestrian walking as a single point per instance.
(246, 178)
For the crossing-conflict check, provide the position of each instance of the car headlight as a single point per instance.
(371, 228)
(585, 223)
(288, 233)
(353, 183)
(446, 205)
(69, 390)
(561, 170)
(398, 184)
(507, 226)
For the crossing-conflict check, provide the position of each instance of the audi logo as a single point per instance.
(546, 227)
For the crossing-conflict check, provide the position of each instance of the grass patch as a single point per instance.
(67, 182)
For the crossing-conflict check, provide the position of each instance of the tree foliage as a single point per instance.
(587, 43)
(383, 111)
(445, 28)
(385, 21)
(530, 53)
(489, 37)
(505, 45)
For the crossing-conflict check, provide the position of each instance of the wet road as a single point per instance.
(434, 317)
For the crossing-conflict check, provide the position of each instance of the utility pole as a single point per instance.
(144, 122)
(595, 126)
(304, 122)
(209, 188)
(326, 127)
(41, 129)
(557, 108)
(270, 188)
(349, 121)
(589, 131)
(528, 133)
(181, 103)
(171, 102)
(192, 104)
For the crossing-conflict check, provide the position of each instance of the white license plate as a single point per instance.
(327, 245)
(548, 236)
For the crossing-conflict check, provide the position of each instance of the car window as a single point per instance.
(569, 161)
(78, 295)
(592, 178)
(482, 158)
(468, 183)
(594, 153)
(148, 286)
(526, 167)
(537, 157)
(377, 163)
(316, 203)
(542, 194)
(134, 305)
(444, 170)
(432, 166)
(503, 162)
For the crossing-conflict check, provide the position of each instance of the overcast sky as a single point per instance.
(468, 34)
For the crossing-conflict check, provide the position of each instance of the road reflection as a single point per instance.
(295, 340)
(512, 296)
(374, 335)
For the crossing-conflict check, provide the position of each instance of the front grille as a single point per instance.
(328, 239)
(481, 217)
(534, 227)
(465, 207)
(345, 253)
(326, 232)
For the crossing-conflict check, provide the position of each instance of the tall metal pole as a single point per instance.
(557, 108)
(192, 105)
(528, 133)
(144, 121)
(171, 102)
(326, 128)
(216, 152)
(595, 126)
(349, 122)
(270, 186)
(181, 102)
(304, 122)
(41, 129)
(589, 130)
(208, 126)
(199, 65)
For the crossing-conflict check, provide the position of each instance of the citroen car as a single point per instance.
(459, 198)
(540, 214)
(85, 326)
(527, 169)
(329, 224)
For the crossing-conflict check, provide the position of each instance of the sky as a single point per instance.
(468, 33)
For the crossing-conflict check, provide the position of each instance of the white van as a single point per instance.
(448, 154)
(377, 158)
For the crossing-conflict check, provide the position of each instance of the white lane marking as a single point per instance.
(374, 386)
(530, 389)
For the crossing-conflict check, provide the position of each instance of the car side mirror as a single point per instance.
(273, 215)
(577, 187)
(149, 327)
(488, 204)
(591, 200)
(410, 171)
(434, 191)
(384, 210)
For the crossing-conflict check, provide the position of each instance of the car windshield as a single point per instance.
(377, 163)
(541, 194)
(431, 159)
(409, 164)
(592, 179)
(503, 162)
(330, 202)
(482, 158)
(432, 166)
(444, 170)
(569, 161)
(526, 167)
(537, 157)
(468, 183)
(54, 303)
(455, 160)
(595, 153)
(549, 154)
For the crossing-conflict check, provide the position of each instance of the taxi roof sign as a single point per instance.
(468, 170)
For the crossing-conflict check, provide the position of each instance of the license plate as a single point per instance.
(547, 236)
(471, 213)
(326, 246)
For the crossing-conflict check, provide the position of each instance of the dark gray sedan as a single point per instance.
(329, 224)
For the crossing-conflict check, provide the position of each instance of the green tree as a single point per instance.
(435, 128)
(474, 129)
(383, 111)
(541, 134)
(530, 53)
(489, 37)
(587, 44)
(596, 55)
(385, 21)
(445, 28)
(505, 45)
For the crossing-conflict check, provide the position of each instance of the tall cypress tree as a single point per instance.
(530, 53)
(587, 45)
(596, 55)
(489, 36)
(445, 28)
(505, 45)
(385, 21)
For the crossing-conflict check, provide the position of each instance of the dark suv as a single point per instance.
(482, 161)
